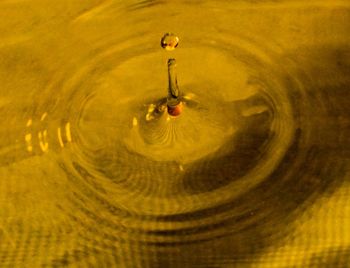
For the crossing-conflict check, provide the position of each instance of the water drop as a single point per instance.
(169, 41)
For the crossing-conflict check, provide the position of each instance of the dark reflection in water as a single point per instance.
(259, 218)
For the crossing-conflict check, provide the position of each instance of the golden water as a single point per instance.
(94, 173)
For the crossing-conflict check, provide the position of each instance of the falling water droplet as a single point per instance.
(169, 41)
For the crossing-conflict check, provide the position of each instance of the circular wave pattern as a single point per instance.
(244, 157)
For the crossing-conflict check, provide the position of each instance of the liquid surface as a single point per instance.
(95, 173)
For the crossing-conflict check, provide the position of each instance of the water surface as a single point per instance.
(88, 178)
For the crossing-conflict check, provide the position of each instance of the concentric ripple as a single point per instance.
(243, 158)
(215, 152)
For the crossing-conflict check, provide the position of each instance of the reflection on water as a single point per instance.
(95, 172)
